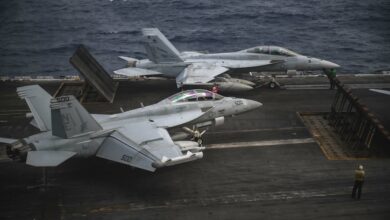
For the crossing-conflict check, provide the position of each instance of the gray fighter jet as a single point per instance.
(200, 69)
(137, 138)
(382, 91)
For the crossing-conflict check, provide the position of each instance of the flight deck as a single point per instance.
(263, 164)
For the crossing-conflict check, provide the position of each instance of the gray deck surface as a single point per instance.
(291, 181)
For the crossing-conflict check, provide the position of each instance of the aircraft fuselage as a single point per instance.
(239, 62)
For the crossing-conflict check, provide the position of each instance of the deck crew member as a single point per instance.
(359, 180)
(331, 74)
(215, 88)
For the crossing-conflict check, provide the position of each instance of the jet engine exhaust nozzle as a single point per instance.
(17, 151)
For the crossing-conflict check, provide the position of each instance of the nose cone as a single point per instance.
(238, 106)
(251, 104)
(328, 65)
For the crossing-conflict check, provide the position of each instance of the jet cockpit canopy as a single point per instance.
(272, 50)
(193, 95)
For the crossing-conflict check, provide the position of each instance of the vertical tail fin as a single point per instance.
(69, 118)
(38, 100)
(158, 47)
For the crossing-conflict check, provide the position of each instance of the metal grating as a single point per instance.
(332, 144)
(354, 122)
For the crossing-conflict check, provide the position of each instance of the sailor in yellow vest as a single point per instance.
(359, 180)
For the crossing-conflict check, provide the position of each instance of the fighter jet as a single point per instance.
(202, 69)
(382, 91)
(138, 138)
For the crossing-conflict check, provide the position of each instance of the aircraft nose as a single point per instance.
(253, 104)
(328, 65)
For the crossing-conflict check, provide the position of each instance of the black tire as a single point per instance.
(272, 85)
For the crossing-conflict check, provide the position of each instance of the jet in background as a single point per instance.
(137, 138)
(382, 91)
(193, 68)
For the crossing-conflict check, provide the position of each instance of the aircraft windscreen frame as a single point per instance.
(194, 95)
(273, 50)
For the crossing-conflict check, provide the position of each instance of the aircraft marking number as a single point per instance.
(238, 102)
(126, 158)
(63, 99)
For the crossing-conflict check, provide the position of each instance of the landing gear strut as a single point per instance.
(44, 185)
(273, 83)
(196, 134)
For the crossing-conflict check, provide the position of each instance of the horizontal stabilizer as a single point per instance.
(128, 59)
(7, 140)
(132, 72)
(48, 158)
(199, 73)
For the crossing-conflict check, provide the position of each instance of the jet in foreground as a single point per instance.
(137, 138)
(200, 69)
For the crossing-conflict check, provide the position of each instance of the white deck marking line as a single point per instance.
(256, 130)
(222, 199)
(260, 143)
(352, 86)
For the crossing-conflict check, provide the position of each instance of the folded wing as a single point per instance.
(199, 73)
(203, 71)
(145, 146)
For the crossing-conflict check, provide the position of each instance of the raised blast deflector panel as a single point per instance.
(94, 73)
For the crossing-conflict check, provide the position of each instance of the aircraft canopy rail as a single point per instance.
(194, 95)
(272, 50)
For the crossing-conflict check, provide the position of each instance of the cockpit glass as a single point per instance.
(194, 95)
(262, 50)
(272, 50)
(287, 52)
